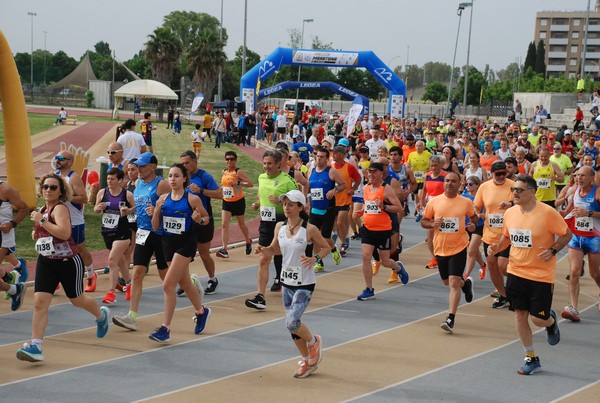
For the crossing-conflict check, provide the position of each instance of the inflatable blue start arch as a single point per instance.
(250, 82)
(317, 85)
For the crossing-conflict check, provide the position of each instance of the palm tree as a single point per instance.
(163, 50)
(205, 57)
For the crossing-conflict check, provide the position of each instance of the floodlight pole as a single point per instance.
(300, 67)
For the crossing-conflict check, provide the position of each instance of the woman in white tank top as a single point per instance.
(297, 275)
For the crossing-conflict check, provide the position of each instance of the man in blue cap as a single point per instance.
(303, 149)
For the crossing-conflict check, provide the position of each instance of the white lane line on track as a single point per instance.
(341, 310)
(576, 391)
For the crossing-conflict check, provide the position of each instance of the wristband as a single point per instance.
(554, 251)
(14, 223)
(317, 257)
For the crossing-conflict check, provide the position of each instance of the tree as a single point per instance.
(139, 65)
(162, 51)
(436, 71)
(476, 83)
(232, 73)
(435, 92)
(511, 72)
(413, 77)
(540, 55)
(103, 48)
(205, 57)
(531, 57)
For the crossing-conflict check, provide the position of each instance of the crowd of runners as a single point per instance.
(504, 196)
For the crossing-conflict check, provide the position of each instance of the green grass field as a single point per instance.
(166, 145)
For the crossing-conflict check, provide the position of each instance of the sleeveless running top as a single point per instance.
(293, 275)
(112, 222)
(546, 190)
(145, 195)
(231, 193)
(176, 215)
(50, 246)
(75, 209)
(374, 218)
(585, 226)
(320, 183)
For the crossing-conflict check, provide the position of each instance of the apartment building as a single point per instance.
(563, 33)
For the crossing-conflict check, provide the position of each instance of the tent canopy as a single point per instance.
(79, 77)
(146, 89)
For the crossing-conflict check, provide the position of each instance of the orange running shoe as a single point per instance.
(109, 298)
(91, 283)
(432, 264)
(375, 266)
(482, 271)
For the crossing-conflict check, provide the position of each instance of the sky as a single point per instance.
(400, 32)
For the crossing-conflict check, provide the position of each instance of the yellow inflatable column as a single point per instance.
(19, 158)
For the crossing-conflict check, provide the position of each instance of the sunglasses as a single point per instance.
(61, 158)
(470, 184)
(51, 187)
(113, 152)
(229, 159)
(557, 149)
(503, 173)
(518, 190)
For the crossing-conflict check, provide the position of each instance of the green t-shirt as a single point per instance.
(281, 184)
(564, 163)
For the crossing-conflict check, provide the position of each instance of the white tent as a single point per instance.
(145, 89)
(141, 89)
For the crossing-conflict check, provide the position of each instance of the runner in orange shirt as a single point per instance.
(532, 228)
(343, 199)
(445, 215)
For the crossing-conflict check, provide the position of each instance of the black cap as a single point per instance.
(364, 149)
(498, 166)
(511, 160)
(376, 165)
(409, 137)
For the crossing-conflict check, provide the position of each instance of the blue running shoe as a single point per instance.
(17, 299)
(402, 273)
(23, 270)
(531, 366)
(102, 323)
(161, 335)
(553, 331)
(367, 294)
(334, 237)
(201, 320)
(30, 352)
(418, 217)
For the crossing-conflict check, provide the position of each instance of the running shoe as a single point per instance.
(500, 302)
(201, 319)
(223, 253)
(121, 284)
(432, 264)
(161, 335)
(248, 248)
(197, 283)
(553, 332)
(314, 352)
(180, 292)
(344, 249)
(482, 271)
(399, 247)
(125, 321)
(367, 294)
(304, 370)
(355, 236)
(211, 287)
(258, 302)
(495, 294)
(109, 298)
(448, 325)
(319, 267)
(127, 290)
(22, 269)
(334, 237)
(531, 366)
(19, 297)
(402, 273)
(571, 313)
(91, 283)
(418, 217)
(30, 352)
(276, 287)
(375, 264)
(102, 323)
(394, 279)
(348, 242)
(467, 289)
(335, 254)
(14, 279)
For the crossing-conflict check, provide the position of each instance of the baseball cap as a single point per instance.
(567, 132)
(339, 149)
(145, 159)
(294, 196)
(298, 136)
(552, 136)
(364, 149)
(410, 137)
(498, 166)
(344, 142)
(442, 123)
(376, 166)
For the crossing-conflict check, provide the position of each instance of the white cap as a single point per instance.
(568, 132)
(442, 123)
(294, 196)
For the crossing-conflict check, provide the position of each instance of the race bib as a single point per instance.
(141, 235)
(110, 220)
(227, 193)
(496, 220)
(543, 183)
(584, 224)
(267, 213)
(450, 224)
(371, 207)
(132, 218)
(174, 225)
(419, 175)
(316, 194)
(45, 246)
(521, 238)
(459, 163)
(291, 276)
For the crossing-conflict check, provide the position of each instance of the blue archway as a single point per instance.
(316, 85)
(250, 82)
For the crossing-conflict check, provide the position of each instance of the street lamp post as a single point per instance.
(220, 80)
(32, 14)
(300, 67)
(245, 29)
(46, 32)
(470, 4)
(459, 12)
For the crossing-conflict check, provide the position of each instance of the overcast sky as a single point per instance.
(396, 30)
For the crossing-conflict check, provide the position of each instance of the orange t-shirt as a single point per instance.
(529, 233)
(451, 237)
(374, 218)
(406, 150)
(486, 162)
(489, 195)
(349, 174)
